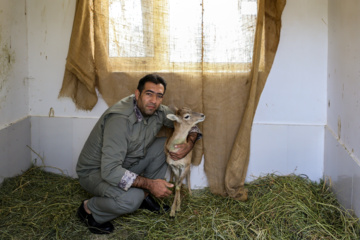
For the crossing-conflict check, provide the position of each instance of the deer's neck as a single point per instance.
(179, 136)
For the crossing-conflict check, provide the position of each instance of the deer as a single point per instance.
(184, 119)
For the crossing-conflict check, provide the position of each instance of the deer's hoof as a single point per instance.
(172, 214)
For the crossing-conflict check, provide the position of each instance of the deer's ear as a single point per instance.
(173, 108)
(173, 117)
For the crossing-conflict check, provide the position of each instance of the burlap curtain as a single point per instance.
(227, 93)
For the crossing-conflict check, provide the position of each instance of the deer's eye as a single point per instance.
(187, 116)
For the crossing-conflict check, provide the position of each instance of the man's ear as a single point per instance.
(173, 117)
(137, 94)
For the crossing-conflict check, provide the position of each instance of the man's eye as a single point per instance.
(160, 96)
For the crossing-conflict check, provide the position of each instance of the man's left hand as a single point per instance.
(183, 150)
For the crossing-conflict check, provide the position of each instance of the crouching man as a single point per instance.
(123, 162)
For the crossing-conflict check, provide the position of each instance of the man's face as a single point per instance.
(150, 98)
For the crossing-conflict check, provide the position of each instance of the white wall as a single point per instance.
(342, 138)
(14, 97)
(288, 130)
(49, 27)
(295, 90)
(59, 139)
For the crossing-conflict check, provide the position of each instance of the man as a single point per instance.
(123, 162)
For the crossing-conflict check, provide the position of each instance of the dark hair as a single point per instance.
(154, 78)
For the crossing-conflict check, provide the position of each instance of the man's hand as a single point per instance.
(158, 187)
(185, 148)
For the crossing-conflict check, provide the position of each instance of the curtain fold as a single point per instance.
(227, 97)
(79, 81)
(236, 168)
(227, 148)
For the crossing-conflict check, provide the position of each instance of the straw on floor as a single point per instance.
(42, 205)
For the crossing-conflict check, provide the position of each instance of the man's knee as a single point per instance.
(129, 202)
(128, 206)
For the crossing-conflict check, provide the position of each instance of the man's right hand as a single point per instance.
(158, 187)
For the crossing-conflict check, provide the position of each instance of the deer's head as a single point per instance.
(185, 116)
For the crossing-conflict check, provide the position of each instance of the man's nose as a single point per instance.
(153, 98)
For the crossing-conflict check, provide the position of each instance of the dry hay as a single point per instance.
(42, 205)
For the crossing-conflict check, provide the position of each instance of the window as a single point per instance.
(130, 29)
(195, 34)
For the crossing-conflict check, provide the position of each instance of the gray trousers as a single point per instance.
(116, 201)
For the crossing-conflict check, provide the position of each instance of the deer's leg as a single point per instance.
(172, 176)
(176, 173)
(173, 207)
(188, 182)
(178, 189)
(178, 197)
(188, 179)
(184, 172)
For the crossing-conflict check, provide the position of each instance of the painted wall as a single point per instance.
(342, 138)
(14, 97)
(49, 27)
(288, 130)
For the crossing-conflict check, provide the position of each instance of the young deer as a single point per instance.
(184, 119)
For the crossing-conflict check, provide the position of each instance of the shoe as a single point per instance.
(93, 226)
(150, 204)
